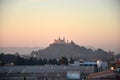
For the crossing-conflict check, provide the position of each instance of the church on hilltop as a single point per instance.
(61, 41)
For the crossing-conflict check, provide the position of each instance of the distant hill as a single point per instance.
(60, 48)
(20, 50)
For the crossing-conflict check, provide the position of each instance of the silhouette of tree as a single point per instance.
(1, 63)
(45, 61)
(55, 61)
(63, 61)
(18, 60)
(40, 62)
(49, 61)
(71, 60)
(33, 61)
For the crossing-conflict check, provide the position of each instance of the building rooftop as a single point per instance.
(108, 74)
(45, 69)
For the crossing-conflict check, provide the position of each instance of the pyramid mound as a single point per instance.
(61, 48)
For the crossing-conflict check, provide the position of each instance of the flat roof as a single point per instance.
(45, 69)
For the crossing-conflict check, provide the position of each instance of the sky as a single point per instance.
(30, 23)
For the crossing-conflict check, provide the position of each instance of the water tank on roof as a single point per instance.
(73, 75)
(99, 63)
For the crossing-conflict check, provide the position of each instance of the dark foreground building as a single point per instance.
(104, 75)
(44, 72)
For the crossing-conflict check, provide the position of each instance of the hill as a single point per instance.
(61, 48)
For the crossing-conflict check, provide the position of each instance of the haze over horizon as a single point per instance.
(31, 23)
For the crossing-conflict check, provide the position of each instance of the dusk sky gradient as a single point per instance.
(38, 22)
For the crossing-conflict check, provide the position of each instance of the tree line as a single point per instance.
(18, 60)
